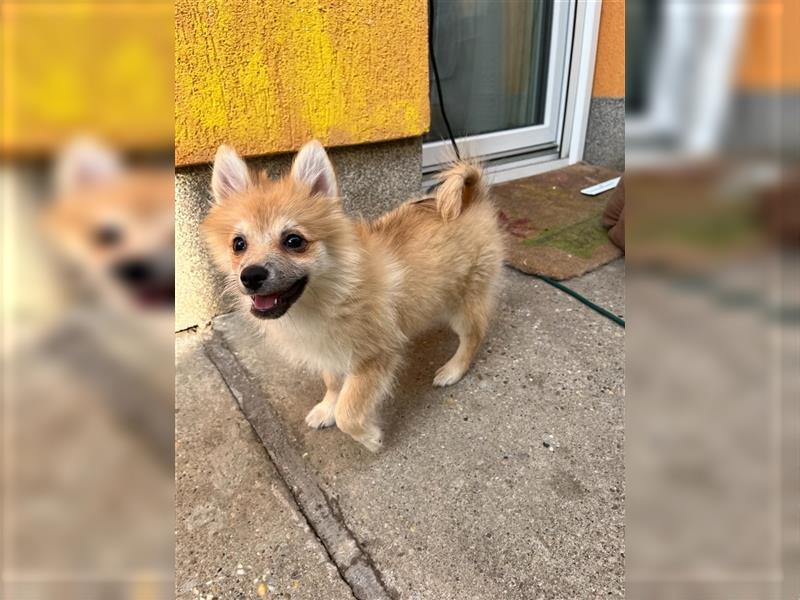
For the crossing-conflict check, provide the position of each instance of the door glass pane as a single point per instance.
(492, 57)
(643, 20)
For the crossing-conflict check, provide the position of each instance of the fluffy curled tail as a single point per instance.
(461, 185)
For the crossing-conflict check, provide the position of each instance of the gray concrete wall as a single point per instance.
(605, 134)
(372, 179)
(763, 123)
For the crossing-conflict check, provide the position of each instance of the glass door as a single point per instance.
(503, 72)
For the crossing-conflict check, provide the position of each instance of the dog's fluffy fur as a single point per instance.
(369, 286)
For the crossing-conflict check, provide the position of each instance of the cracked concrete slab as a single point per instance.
(239, 533)
(322, 515)
(509, 484)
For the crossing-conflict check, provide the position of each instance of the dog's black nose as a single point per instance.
(253, 276)
(133, 271)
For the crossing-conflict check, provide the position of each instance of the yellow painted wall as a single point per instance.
(267, 75)
(609, 69)
(85, 67)
(769, 55)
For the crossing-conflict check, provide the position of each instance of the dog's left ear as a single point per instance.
(312, 167)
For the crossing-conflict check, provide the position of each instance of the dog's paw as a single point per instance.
(322, 415)
(448, 374)
(363, 430)
(371, 439)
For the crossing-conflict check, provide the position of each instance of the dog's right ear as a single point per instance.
(230, 176)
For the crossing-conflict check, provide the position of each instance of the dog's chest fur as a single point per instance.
(313, 341)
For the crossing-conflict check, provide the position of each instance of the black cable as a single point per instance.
(583, 300)
(431, 27)
(556, 284)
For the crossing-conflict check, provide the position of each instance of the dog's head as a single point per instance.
(115, 224)
(278, 241)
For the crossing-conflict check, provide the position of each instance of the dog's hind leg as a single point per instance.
(470, 323)
(322, 415)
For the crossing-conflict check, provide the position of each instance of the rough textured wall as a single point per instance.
(267, 75)
(96, 66)
(609, 68)
(605, 133)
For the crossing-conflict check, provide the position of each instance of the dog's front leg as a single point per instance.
(359, 399)
(322, 415)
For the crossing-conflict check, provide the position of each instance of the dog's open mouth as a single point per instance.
(272, 306)
(154, 296)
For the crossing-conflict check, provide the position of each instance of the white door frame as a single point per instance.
(512, 140)
(572, 116)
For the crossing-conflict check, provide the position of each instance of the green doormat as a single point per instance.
(554, 230)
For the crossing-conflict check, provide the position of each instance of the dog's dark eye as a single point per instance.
(107, 236)
(239, 244)
(294, 242)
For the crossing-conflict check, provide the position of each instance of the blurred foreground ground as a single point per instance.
(509, 484)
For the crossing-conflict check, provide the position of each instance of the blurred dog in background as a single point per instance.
(115, 226)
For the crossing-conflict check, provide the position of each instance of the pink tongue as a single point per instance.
(265, 302)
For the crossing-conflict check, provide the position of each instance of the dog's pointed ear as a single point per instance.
(83, 163)
(312, 167)
(230, 175)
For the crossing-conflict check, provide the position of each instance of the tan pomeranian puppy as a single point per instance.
(344, 297)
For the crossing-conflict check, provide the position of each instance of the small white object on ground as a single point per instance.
(601, 187)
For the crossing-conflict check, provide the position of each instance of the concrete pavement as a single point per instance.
(509, 484)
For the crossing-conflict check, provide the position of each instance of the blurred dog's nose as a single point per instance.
(133, 271)
(253, 276)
